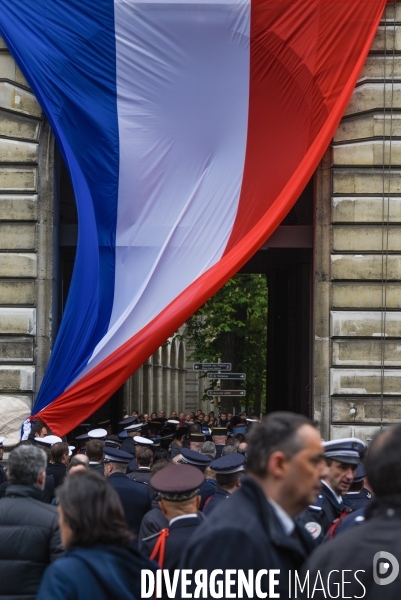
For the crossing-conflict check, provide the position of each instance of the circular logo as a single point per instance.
(314, 529)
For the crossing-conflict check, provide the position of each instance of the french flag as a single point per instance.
(189, 129)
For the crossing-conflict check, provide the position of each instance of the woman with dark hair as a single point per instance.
(99, 561)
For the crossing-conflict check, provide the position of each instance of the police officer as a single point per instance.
(228, 471)
(134, 495)
(201, 461)
(359, 495)
(178, 487)
(342, 458)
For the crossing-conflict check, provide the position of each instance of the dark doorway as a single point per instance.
(286, 259)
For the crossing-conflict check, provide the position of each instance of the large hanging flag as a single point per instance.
(189, 129)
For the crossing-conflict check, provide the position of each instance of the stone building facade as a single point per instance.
(357, 295)
(356, 358)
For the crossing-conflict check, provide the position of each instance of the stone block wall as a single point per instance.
(353, 326)
(26, 246)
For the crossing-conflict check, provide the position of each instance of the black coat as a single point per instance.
(355, 550)
(317, 519)
(134, 497)
(215, 500)
(58, 471)
(98, 467)
(30, 540)
(247, 534)
(45, 495)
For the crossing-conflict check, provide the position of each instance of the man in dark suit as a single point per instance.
(134, 495)
(144, 458)
(60, 459)
(254, 529)
(178, 487)
(94, 451)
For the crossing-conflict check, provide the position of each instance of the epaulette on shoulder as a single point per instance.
(150, 537)
(318, 504)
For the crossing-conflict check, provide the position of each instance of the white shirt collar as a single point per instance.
(286, 522)
(191, 516)
(338, 498)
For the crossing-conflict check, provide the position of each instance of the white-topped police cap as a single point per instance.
(2, 441)
(134, 427)
(97, 434)
(48, 440)
(141, 441)
(345, 450)
(117, 456)
(232, 463)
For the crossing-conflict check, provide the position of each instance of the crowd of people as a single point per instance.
(85, 516)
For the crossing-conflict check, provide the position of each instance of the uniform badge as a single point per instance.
(314, 529)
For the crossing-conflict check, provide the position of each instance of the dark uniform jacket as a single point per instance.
(215, 500)
(153, 522)
(141, 474)
(206, 490)
(356, 549)
(247, 534)
(179, 534)
(359, 499)
(354, 519)
(30, 540)
(317, 519)
(58, 471)
(134, 497)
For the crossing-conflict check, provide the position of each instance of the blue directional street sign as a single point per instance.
(226, 393)
(226, 376)
(212, 366)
